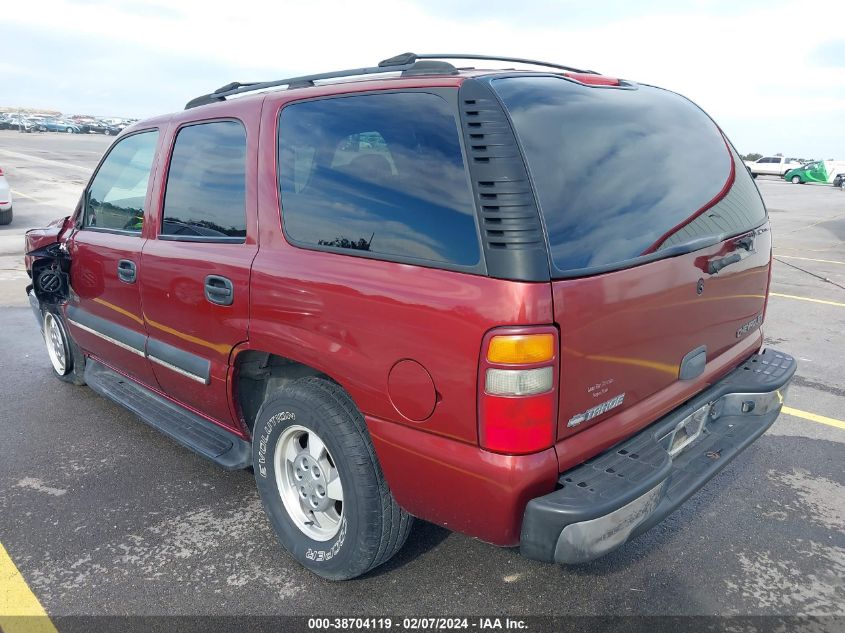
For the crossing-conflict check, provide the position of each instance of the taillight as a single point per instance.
(1, 171)
(517, 390)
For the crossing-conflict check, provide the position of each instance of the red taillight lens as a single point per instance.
(1, 171)
(517, 425)
(517, 400)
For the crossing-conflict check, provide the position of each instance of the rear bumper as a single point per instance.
(621, 493)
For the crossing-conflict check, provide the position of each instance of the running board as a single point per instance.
(189, 429)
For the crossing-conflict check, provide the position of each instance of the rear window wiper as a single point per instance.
(691, 246)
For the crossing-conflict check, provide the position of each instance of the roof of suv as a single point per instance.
(407, 70)
(410, 66)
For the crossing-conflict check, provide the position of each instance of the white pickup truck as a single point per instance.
(771, 166)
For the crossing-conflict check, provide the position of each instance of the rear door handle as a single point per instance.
(715, 265)
(126, 271)
(219, 290)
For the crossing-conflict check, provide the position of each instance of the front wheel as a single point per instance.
(796, 180)
(65, 357)
(321, 484)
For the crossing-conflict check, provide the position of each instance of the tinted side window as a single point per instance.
(206, 183)
(116, 196)
(377, 173)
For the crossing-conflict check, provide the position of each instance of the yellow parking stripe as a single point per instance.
(810, 259)
(813, 417)
(20, 611)
(23, 195)
(831, 303)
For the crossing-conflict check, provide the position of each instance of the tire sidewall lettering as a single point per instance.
(272, 423)
(320, 555)
(307, 550)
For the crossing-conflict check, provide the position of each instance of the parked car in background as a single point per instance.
(823, 171)
(482, 306)
(58, 125)
(18, 122)
(118, 122)
(771, 166)
(5, 199)
(98, 127)
(839, 180)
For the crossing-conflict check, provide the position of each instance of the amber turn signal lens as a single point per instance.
(521, 349)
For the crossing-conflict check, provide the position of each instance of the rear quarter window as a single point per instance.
(379, 175)
(624, 173)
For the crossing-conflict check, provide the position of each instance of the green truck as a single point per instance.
(823, 171)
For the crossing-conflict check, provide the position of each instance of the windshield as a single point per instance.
(624, 173)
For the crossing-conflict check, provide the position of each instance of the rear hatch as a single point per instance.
(658, 238)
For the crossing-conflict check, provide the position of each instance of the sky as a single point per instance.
(772, 74)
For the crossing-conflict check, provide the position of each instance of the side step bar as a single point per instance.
(201, 436)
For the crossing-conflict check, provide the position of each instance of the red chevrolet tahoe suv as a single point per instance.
(523, 305)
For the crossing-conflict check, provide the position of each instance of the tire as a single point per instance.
(347, 537)
(6, 216)
(69, 130)
(66, 358)
(796, 180)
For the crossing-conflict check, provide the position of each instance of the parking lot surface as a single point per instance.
(103, 515)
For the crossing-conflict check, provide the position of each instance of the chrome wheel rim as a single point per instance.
(56, 345)
(309, 483)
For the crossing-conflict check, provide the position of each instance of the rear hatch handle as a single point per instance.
(746, 243)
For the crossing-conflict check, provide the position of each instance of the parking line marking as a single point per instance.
(810, 259)
(809, 226)
(20, 611)
(46, 161)
(23, 195)
(814, 250)
(813, 417)
(832, 303)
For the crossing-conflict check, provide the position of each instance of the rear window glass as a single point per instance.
(619, 173)
(381, 175)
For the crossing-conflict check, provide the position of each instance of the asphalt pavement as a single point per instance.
(103, 515)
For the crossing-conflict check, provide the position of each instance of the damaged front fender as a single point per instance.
(48, 263)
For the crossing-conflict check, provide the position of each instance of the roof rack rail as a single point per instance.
(496, 58)
(407, 63)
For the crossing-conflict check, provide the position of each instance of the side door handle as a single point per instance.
(219, 290)
(126, 271)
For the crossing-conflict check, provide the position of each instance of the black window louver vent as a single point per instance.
(510, 224)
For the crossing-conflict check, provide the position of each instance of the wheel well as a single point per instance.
(261, 373)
